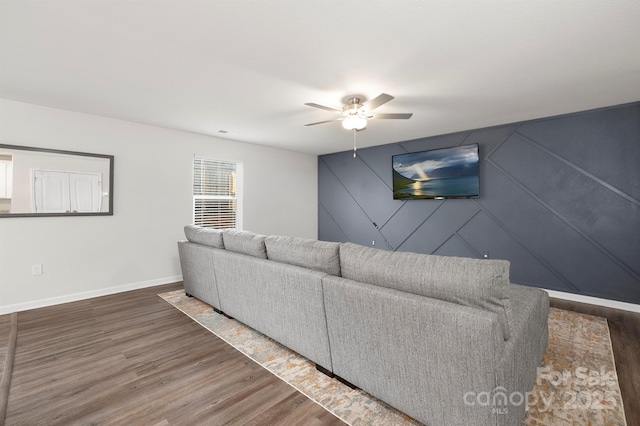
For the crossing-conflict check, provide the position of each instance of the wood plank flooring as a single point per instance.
(131, 358)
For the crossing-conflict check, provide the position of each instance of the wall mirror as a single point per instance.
(37, 182)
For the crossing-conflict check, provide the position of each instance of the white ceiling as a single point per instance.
(248, 67)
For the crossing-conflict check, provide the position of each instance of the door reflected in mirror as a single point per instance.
(46, 182)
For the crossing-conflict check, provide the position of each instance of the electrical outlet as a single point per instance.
(373, 243)
(36, 269)
(485, 254)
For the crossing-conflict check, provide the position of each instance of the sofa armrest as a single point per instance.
(527, 314)
(198, 276)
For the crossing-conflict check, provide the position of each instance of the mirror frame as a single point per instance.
(75, 153)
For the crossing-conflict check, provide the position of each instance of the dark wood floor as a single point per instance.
(132, 358)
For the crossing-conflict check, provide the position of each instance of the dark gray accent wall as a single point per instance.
(559, 198)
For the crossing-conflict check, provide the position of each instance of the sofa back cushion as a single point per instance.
(204, 236)
(479, 283)
(321, 256)
(244, 242)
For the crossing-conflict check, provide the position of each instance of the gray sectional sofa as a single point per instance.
(446, 340)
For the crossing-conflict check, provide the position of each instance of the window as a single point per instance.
(216, 193)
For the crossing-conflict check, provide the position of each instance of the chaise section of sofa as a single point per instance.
(428, 333)
(416, 353)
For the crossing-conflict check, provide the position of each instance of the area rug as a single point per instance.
(577, 383)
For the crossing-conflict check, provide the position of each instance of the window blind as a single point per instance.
(215, 203)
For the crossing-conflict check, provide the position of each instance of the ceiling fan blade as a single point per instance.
(321, 122)
(311, 104)
(393, 116)
(374, 103)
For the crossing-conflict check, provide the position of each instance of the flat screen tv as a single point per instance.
(436, 174)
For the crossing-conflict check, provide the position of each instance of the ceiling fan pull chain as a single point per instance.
(354, 143)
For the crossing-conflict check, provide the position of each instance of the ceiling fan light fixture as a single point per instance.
(353, 122)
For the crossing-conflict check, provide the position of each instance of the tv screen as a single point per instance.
(439, 173)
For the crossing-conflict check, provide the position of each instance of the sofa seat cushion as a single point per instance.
(205, 236)
(480, 283)
(320, 256)
(244, 242)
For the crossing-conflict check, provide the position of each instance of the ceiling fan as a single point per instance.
(355, 114)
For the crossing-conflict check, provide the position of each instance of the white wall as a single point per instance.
(136, 247)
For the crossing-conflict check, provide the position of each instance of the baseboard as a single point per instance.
(7, 309)
(594, 301)
(74, 297)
